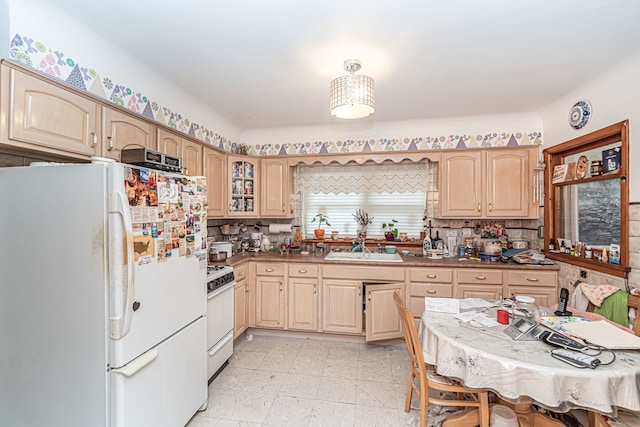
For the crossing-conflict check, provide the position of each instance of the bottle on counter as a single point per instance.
(552, 247)
(426, 245)
(588, 253)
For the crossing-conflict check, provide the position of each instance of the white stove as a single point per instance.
(220, 317)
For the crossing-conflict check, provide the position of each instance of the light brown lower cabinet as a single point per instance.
(270, 302)
(342, 306)
(303, 304)
(381, 317)
(478, 283)
(239, 305)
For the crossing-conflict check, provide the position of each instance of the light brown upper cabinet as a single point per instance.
(243, 183)
(215, 170)
(491, 183)
(169, 143)
(191, 158)
(590, 206)
(274, 187)
(40, 116)
(121, 130)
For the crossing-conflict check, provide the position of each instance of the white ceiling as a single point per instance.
(269, 63)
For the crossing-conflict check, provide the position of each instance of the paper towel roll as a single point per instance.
(280, 228)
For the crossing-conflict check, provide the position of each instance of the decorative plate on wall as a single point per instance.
(580, 114)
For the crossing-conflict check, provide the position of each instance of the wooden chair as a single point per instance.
(429, 379)
(634, 301)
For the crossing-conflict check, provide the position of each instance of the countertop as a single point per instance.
(408, 261)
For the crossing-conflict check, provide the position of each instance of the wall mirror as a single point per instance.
(586, 210)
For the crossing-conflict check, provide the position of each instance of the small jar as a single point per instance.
(596, 168)
(588, 253)
(525, 306)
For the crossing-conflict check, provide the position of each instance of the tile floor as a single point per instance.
(300, 381)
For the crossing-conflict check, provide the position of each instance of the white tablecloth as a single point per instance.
(483, 357)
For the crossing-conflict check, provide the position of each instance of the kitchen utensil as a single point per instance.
(217, 257)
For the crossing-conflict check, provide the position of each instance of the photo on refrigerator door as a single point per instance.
(140, 190)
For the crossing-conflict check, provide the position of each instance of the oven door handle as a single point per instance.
(213, 350)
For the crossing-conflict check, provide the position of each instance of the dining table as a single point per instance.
(524, 372)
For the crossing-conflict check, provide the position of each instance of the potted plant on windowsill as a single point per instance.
(391, 231)
(320, 219)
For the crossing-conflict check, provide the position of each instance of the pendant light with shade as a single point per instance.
(352, 96)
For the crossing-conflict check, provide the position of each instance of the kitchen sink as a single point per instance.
(359, 256)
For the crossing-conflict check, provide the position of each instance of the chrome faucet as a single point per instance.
(363, 248)
(379, 248)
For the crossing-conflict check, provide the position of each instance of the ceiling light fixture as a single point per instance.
(352, 96)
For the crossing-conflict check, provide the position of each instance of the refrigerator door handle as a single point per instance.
(119, 205)
(138, 363)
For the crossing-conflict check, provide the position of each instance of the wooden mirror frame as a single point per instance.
(554, 156)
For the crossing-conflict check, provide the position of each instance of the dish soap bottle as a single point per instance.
(426, 245)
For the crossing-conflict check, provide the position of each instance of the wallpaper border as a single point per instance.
(54, 63)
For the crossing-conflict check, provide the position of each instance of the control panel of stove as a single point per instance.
(218, 276)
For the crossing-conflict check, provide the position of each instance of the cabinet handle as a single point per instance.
(280, 286)
(432, 276)
(532, 279)
(283, 207)
(431, 291)
(110, 139)
(480, 277)
(490, 207)
(369, 296)
(315, 286)
(269, 270)
(302, 271)
(359, 290)
(478, 207)
(94, 139)
(246, 288)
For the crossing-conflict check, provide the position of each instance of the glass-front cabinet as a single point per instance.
(587, 205)
(243, 183)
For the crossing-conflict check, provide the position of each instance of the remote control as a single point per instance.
(575, 358)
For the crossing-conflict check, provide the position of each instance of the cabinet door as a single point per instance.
(215, 170)
(508, 184)
(461, 185)
(242, 185)
(191, 158)
(342, 306)
(169, 143)
(303, 304)
(270, 301)
(239, 304)
(122, 130)
(274, 193)
(382, 319)
(44, 117)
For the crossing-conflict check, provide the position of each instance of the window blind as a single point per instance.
(385, 191)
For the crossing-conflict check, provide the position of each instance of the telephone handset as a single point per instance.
(563, 341)
(562, 303)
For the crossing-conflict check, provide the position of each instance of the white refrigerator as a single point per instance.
(102, 296)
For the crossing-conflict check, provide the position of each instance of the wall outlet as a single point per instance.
(466, 232)
(583, 274)
(452, 233)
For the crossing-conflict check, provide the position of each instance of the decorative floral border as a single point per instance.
(56, 64)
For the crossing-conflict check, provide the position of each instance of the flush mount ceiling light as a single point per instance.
(352, 96)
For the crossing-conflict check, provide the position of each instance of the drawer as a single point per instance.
(431, 290)
(536, 278)
(431, 275)
(240, 272)
(374, 273)
(416, 303)
(471, 275)
(270, 269)
(303, 270)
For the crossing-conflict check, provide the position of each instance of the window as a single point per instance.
(587, 208)
(385, 191)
